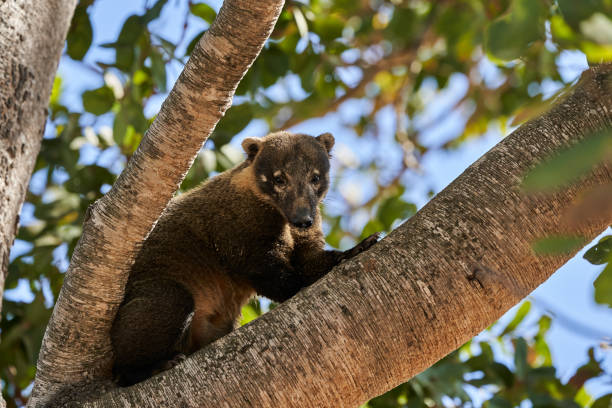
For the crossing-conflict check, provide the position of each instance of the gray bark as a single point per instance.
(76, 349)
(32, 35)
(439, 279)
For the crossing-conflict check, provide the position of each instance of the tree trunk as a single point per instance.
(432, 284)
(76, 349)
(32, 35)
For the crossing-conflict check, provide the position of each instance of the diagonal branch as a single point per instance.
(116, 225)
(432, 284)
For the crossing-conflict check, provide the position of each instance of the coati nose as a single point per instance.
(303, 222)
(302, 218)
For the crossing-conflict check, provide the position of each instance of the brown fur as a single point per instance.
(216, 246)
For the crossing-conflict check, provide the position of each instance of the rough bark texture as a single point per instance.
(76, 348)
(435, 282)
(32, 35)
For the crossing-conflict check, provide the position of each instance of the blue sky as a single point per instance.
(568, 295)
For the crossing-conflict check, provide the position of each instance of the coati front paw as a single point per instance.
(362, 246)
(168, 364)
(174, 361)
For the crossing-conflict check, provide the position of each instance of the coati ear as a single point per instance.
(251, 146)
(327, 140)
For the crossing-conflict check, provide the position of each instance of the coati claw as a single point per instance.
(174, 361)
(369, 241)
(362, 246)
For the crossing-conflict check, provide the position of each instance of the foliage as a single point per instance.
(597, 255)
(395, 71)
(566, 168)
(526, 375)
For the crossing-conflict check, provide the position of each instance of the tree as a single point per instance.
(217, 64)
(26, 85)
(127, 134)
(412, 269)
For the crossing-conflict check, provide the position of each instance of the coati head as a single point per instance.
(292, 170)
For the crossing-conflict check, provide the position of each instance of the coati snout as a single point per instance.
(292, 171)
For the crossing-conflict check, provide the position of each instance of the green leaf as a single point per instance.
(158, 70)
(154, 11)
(306, 69)
(540, 345)
(98, 101)
(236, 118)
(166, 45)
(478, 363)
(509, 36)
(250, 312)
(576, 11)
(130, 115)
(131, 140)
(248, 315)
(600, 253)
(544, 325)
(520, 357)
(520, 315)
(371, 227)
(56, 91)
(541, 374)
(497, 402)
(80, 34)
(557, 245)
(394, 208)
(204, 11)
(328, 27)
(603, 286)
(560, 30)
(276, 64)
(193, 43)
(570, 164)
(404, 25)
(131, 31)
(89, 179)
(597, 53)
(487, 350)
(120, 125)
(603, 402)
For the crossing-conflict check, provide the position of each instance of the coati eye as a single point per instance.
(315, 179)
(279, 180)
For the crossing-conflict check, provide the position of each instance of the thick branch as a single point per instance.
(32, 35)
(76, 348)
(435, 282)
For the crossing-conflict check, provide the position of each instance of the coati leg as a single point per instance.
(150, 329)
(275, 279)
(279, 280)
(313, 261)
(207, 328)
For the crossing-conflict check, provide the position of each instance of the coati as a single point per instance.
(253, 229)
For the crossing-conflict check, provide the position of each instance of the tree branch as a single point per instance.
(432, 284)
(76, 348)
